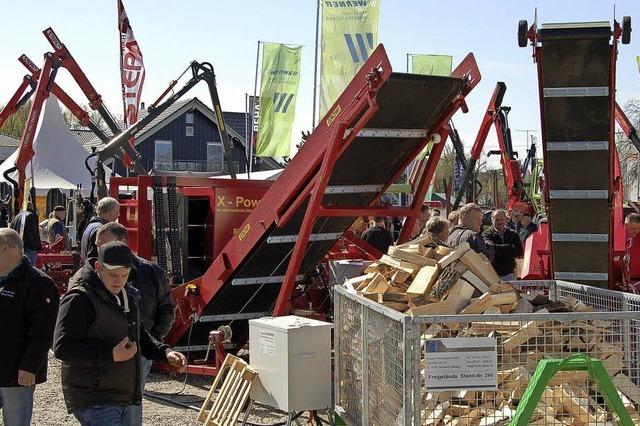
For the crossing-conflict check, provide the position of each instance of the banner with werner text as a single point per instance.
(278, 92)
(349, 35)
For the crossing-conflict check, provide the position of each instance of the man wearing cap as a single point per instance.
(100, 337)
(157, 309)
(527, 226)
(55, 228)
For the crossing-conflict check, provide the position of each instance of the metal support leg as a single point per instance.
(246, 414)
(282, 304)
(423, 185)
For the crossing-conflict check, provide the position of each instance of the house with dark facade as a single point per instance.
(185, 138)
(8, 145)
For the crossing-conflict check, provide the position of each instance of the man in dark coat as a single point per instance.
(378, 235)
(100, 337)
(28, 309)
(157, 309)
(26, 224)
(506, 245)
(108, 210)
(468, 231)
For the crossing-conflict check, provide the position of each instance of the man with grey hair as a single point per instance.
(468, 230)
(506, 245)
(108, 210)
(28, 309)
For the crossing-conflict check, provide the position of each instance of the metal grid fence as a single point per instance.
(380, 363)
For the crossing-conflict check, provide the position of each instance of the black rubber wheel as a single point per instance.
(626, 30)
(523, 29)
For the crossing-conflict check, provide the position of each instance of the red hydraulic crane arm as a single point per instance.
(510, 166)
(17, 100)
(25, 151)
(77, 111)
(489, 118)
(624, 122)
(68, 62)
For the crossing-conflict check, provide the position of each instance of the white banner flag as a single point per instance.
(131, 68)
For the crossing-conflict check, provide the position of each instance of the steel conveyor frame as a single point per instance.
(337, 176)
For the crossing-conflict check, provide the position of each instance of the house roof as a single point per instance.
(8, 141)
(237, 121)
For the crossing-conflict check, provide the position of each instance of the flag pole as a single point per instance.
(255, 93)
(247, 123)
(408, 54)
(315, 67)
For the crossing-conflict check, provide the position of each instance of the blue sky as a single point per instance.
(171, 33)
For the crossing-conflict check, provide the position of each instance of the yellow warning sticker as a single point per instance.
(244, 232)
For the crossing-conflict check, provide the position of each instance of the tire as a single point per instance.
(626, 30)
(523, 29)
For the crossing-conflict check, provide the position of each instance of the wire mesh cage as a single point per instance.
(397, 370)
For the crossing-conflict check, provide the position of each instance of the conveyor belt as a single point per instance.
(410, 108)
(575, 79)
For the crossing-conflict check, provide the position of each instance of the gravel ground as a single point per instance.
(49, 408)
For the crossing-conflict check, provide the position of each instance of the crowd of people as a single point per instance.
(501, 242)
(106, 330)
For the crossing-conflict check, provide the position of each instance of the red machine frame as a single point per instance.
(538, 248)
(358, 100)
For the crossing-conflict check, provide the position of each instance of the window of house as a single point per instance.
(214, 157)
(189, 118)
(163, 156)
(189, 131)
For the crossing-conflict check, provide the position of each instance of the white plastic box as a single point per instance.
(292, 356)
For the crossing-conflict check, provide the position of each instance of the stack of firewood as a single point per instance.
(419, 279)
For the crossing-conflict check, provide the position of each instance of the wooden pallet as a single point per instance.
(235, 380)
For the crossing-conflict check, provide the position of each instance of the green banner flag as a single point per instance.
(638, 62)
(431, 64)
(278, 92)
(349, 35)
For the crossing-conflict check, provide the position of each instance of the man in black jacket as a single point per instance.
(99, 338)
(27, 225)
(107, 210)
(28, 309)
(468, 231)
(378, 235)
(157, 309)
(506, 245)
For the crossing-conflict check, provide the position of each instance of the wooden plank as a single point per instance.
(402, 265)
(627, 387)
(438, 308)
(400, 307)
(400, 277)
(460, 295)
(392, 297)
(378, 284)
(524, 306)
(529, 330)
(479, 305)
(504, 299)
(480, 268)
(423, 281)
(567, 398)
(454, 255)
(475, 281)
(408, 256)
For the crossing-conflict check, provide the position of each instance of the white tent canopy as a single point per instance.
(59, 157)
